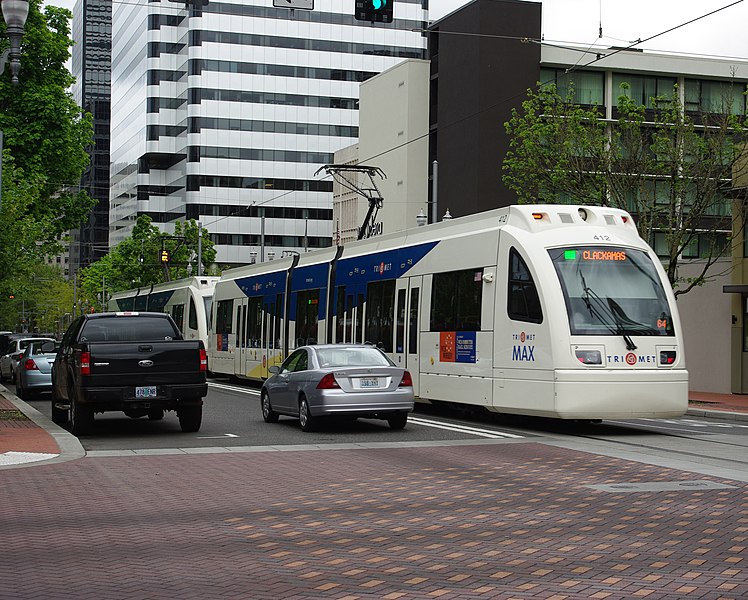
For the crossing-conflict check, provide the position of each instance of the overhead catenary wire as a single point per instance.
(521, 39)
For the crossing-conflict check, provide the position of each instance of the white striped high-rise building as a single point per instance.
(225, 114)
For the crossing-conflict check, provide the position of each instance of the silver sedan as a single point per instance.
(34, 370)
(335, 379)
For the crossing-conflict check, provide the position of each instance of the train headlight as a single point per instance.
(667, 357)
(589, 357)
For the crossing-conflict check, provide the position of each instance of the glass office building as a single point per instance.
(91, 63)
(225, 114)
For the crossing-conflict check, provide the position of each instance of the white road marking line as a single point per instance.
(234, 388)
(489, 433)
(215, 437)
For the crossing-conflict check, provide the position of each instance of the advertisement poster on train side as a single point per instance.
(457, 346)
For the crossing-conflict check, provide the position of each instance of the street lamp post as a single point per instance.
(14, 13)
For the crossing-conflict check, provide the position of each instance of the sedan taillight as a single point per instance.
(85, 363)
(30, 365)
(407, 380)
(328, 382)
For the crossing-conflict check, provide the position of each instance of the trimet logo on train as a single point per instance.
(631, 359)
(382, 267)
(523, 352)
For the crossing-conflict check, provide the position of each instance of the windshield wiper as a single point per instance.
(609, 315)
(620, 315)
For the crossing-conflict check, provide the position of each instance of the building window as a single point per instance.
(642, 90)
(722, 97)
(588, 86)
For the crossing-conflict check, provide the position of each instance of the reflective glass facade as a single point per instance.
(92, 33)
(225, 115)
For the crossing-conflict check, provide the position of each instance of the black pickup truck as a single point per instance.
(134, 362)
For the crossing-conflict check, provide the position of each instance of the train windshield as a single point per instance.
(612, 291)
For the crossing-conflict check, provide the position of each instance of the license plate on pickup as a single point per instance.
(147, 391)
(369, 382)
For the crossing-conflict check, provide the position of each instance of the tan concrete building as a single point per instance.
(393, 132)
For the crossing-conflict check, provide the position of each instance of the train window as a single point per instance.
(380, 304)
(340, 314)
(192, 318)
(456, 300)
(307, 311)
(208, 301)
(278, 314)
(413, 322)
(254, 322)
(400, 333)
(359, 325)
(223, 316)
(177, 313)
(523, 303)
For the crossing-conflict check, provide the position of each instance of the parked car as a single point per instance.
(334, 379)
(9, 360)
(34, 371)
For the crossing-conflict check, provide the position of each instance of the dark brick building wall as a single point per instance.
(481, 68)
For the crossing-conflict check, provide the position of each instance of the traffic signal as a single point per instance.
(165, 256)
(376, 11)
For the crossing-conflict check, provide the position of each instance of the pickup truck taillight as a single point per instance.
(85, 363)
(203, 360)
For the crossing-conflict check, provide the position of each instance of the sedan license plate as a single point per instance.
(148, 391)
(369, 382)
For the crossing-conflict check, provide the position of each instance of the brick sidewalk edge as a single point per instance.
(69, 445)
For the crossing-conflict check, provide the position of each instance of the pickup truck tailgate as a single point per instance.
(143, 363)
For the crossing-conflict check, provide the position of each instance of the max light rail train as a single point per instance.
(545, 310)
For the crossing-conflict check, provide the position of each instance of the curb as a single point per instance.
(69, 445)
(724, 415)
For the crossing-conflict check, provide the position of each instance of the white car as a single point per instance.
(9, 360)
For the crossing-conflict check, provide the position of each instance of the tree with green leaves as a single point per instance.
(669, 167)
(135, 262)
(45, 132)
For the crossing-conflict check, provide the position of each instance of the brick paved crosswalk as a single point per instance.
(515, 520)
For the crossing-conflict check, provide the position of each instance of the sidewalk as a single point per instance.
(27, 436)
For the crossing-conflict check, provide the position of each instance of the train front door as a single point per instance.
(407, 326)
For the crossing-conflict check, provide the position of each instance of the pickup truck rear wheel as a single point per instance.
(81, 418)
(59, 415)
(190, 418)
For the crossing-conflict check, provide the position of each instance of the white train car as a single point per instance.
(557, 311)
(188, 301)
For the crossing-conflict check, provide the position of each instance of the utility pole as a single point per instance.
(199, 249)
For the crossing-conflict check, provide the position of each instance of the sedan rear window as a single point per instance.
(352, 357)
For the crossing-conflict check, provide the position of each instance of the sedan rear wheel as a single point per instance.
(268, 413)
(306, 420)
(398, 420)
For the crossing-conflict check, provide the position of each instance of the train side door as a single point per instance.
(407, 326)
(240, 356)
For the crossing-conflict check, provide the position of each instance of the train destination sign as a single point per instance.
(595, 255)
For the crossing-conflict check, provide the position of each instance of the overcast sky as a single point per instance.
(724, 34)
